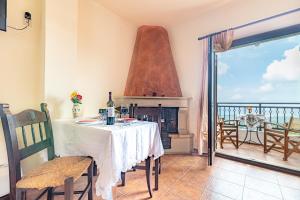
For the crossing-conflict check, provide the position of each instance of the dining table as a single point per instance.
(115, 148)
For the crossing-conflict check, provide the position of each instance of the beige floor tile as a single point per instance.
(250, 194)
(289, 181)
(210, 195)
(290, 194)
(225, 188)
(265, 187)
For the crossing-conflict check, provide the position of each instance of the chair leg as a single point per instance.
(159, 163)
(90, 180)
(20, 194)
(237, 138)
(50, 194)
(123, 178)
(69, 188)
(95, 169)
(148, 175)
(265, 140)
(286, 148)
(222, 139)
(156, 173)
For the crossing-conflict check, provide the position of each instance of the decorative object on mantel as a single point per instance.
(152, 69)
(76, 99)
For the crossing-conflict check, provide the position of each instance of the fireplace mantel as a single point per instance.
(181, 142)
(181, 102)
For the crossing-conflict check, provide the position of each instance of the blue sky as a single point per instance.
(268, 72)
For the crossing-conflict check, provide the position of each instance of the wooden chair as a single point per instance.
(229, 129)
(154, 115)
(285, 139)
(55, 172)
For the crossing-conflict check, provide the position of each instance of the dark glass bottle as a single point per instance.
(110, 111)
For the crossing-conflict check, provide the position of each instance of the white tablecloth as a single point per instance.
(114, 148)
(4, 180)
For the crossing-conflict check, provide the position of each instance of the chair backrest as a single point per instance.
(17, 128)
(152, 114)
(294, 123)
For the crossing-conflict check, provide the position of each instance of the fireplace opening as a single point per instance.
(169, 125)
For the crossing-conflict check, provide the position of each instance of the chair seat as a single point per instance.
(229, 128)
(293, 134)
(53, 173)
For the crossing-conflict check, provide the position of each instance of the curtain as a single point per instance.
(221, 42)
(202, 111)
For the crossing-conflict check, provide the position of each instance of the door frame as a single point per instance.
(257, 38)
(212, 101)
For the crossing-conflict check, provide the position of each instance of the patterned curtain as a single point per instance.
(221, 42)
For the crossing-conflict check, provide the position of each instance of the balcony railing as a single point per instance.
(278, 113)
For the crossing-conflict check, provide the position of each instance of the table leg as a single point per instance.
(245, 137)
(148, 175)
(258, 136)
(123, 175)
(156, 173)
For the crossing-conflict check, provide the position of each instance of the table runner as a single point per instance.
(114, 148)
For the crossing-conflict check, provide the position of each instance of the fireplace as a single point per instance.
(153, 80)
(169, 125)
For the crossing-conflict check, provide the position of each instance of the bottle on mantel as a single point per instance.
(110, 111)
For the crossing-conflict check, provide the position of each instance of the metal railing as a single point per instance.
(278, 113)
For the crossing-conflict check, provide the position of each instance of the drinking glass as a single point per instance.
(124, 110)
(103, 114)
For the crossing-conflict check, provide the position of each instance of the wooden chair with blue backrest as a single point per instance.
(56, 172)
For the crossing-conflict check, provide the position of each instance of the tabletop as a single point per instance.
(252, 121)
(115, 148)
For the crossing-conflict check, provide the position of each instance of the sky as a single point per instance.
(267, 72)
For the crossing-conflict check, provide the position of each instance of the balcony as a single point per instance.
(251, 141)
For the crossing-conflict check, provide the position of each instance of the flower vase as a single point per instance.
(76, 110)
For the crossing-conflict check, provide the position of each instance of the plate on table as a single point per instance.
(88, 121)
(127, 120)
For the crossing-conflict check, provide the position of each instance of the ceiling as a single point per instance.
(161, 12)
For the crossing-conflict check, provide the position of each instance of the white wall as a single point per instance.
(61, 34)
(187, 49)
(21, 68)
(105, 46)
(88, 49)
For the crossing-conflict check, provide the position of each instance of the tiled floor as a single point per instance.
(256, 152)
(189, 178)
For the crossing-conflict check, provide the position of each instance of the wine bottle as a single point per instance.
(110, 111)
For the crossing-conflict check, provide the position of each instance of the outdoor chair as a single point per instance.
(285, 139)
(56, 172)
(229, 130)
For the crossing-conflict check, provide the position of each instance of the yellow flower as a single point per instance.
(74, 94)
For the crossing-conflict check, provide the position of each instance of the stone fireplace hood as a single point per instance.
(152, 71)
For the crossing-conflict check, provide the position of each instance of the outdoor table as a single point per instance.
(115, 148)
(252, 123)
